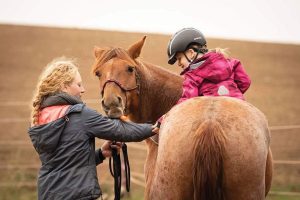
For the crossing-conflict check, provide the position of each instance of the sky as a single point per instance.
(254, 20)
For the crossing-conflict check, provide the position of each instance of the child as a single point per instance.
(206, 73)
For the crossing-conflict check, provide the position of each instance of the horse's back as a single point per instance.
(244, 152)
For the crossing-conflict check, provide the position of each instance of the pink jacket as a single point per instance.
(214, 75)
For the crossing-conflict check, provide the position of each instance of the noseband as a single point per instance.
(120, 85)
(124, 89)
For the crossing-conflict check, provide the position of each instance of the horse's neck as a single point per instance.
(160, 91)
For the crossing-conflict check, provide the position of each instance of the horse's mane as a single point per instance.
(159, 83)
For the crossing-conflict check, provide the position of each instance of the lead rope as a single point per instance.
(115, 170)
(127, 167)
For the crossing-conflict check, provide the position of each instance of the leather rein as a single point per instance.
(115, 168)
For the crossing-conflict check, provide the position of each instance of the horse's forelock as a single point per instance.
(111, 53)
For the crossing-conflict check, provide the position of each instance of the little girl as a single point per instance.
(206, 73)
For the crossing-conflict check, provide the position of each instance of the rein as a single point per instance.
(154, 139)
(116, 170)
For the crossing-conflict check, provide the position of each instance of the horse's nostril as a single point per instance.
(119, 99)
(103, 104)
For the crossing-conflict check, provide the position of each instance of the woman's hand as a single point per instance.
(155, 128)
(124, 118)
(107, 146)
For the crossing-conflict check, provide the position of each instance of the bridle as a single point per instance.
(154, 139)
(123, 88)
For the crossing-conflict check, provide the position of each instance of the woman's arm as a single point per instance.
(114, 129)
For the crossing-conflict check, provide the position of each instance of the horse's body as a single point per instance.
(209, 147)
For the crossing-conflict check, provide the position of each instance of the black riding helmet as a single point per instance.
(180, 41)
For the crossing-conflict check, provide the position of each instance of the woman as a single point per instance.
(63, 132)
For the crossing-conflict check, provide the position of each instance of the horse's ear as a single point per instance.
(135, 50)
(98, 52)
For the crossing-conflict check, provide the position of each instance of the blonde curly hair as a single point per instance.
(61, 71)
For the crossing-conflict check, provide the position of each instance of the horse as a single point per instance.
(208, 147)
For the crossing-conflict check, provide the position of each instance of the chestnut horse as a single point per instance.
(209, 147)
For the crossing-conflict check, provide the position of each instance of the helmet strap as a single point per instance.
(189, 60)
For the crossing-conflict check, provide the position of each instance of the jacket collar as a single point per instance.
(61, 98)
(193, 66)
(197, 63)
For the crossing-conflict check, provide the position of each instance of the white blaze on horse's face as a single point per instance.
(118, 85)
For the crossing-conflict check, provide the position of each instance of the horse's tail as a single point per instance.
(208, 161)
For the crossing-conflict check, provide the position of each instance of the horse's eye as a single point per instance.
(97, 73)
(130, 69)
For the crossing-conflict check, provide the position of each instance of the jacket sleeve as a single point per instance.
(99, 158)
(190, 88)
(240, 76)
(114, 129)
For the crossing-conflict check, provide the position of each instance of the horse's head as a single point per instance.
(116, 69)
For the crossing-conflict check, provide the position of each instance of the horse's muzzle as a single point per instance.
(113, 112)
